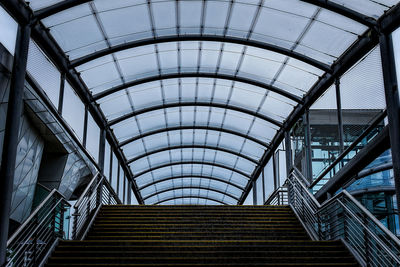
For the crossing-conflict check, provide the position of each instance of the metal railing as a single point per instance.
(344, 218)
(97, 193)
(363, 139)
(278, 197)
(31, 242)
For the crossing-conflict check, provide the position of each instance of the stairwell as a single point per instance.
(199, 236)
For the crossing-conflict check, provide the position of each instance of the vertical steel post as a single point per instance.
(263, 185)
(61, 95)
(340, 116)
(308, 146)
(102, 148)
(9, 153)
(392, 105)
(254, 192)
(129, 197)
(118, 174)
(288, 152)
(85, 125)
(111, 165)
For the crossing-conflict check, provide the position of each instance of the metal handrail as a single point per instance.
(29, 244)
(96, 193)
(278, 197)
(349, 148)
(343, 217)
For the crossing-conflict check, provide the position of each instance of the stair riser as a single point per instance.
(196, 260)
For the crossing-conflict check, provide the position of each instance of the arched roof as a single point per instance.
(192, 87)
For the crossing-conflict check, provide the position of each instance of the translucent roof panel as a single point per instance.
(195, 91)
(208, 57)
(202, 90)
(106, 23)
(231, 120)
(194, 138)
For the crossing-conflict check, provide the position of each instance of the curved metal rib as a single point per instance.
(190, 187)
(211, 75)
(190, 196)
(194, 127)
(192, 176)
(169, 164)
(195, 147)
(205, 38)
(200, 104)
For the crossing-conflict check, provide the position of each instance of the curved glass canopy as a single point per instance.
(195, 91)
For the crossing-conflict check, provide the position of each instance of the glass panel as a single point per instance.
(269, 179)
(135, 15)
(44, 72)
(370, 8)
(63, 28)
(93, 137)
(73, 110)
(259, 186)
(324, 125)
(114, 172)
(189, 16)
(249, 198)
(107, 155)
(9, 28)
(164, 17)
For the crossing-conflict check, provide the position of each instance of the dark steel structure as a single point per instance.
(282, 75)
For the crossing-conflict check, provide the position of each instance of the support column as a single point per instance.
(14, 112)
(61, 96)
(392, 104)
(308, 147)
(254, 192)
(129, 192)
(340, 116)
(263, 185)
(85, 125)
(102, 148)
(288, 152)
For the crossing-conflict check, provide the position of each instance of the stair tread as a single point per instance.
(124, 235)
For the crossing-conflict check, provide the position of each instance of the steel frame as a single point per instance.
(195, 104)
(191, 176)
(211, 75)
(190, 196)
(193, 146)
(194, 127)
(213, 164)
(389, 21)
(190, 187)
(203, 37)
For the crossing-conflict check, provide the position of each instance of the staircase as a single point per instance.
(199, 236)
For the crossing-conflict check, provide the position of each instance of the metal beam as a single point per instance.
(194, 127)
(194, 104)
(193, 146)
(393, 105)
(190, 196)
(11, 133)
(211, 75)
(208, 38)
(344, 11)
(190, 187)
(192, 176)
(58, 7)
(169, 164)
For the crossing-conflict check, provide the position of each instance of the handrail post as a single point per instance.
(75, 223)
(99, 191)
(366, 241)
